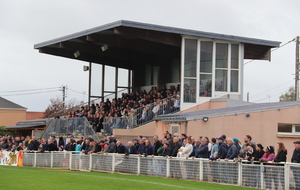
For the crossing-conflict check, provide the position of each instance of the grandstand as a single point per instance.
(129, 59)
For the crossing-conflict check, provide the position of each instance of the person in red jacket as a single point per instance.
(269, 171)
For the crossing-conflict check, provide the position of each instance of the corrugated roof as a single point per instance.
(6, 104)
(160, 28)
(22, 126)
(228, 111)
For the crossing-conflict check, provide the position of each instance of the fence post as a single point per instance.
(168, 167)
(201, 170)
(138, 165)
(70, 161)
(113, 163)
(34, 160)
(286, 176)
(240, 174)
(90, 163)
(51, 159)
(261, 175)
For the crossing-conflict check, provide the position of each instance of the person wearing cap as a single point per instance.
(222, 149)
(296, 159)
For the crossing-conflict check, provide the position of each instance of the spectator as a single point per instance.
(78, 147)
(202, 150)
(186, 148)
(148, 149)
(222, 149)
(131, 149)
(236, 142)
(260, 152)
(112, 145)
(166, 150)
(269, 173)
(20, 147)
(232, 150)
(61, 142)
(33, 145)
(214, 149)
(269, 154)
(296, 159)
(51, 145)
(176, 147)
(86, 146)
(161, 148)
(251, 153)
(54, 141)
(136, 143)
(195, 146)
(247, 140)
(120, 148)
(157, 144)
(280, 157)
(141, 146)
(72, 144)
(96, 147)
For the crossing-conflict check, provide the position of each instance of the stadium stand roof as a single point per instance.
(126, 42)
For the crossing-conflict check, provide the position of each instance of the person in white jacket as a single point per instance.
(184, 152)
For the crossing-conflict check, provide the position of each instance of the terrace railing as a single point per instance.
(243, 173)
(65, 127)
(141, 116)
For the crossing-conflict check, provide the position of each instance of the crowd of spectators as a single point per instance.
(214, 149)
(131, 109)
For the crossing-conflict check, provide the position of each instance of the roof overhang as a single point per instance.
(24, 127)
(130, 42)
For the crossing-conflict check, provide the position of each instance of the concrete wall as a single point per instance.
(262, 126)
(11, 117)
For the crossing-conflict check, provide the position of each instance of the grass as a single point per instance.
(43, 178)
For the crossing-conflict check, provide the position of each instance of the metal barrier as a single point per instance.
(248, 174)
(141, 116)
(69, 126)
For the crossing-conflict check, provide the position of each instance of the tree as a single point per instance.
(56, 107)
(289, 96)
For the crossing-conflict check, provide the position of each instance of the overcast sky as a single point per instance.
(25, 23)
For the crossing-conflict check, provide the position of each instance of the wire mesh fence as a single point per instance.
(243, 173)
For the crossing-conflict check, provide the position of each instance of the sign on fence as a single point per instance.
(11, 158)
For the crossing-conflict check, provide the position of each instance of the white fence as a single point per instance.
(247, 174)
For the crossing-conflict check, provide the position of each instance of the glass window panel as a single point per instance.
(205, 85)
(234, 56)
(96, 79)
(234, 86)
(297, 128)
(206, 57)
(190, 57)
(283, 128)
(189, 90)
(121, 91)
(109, 96)
(221, 55)
(123, 77)
(109, 82)
(221, 80)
